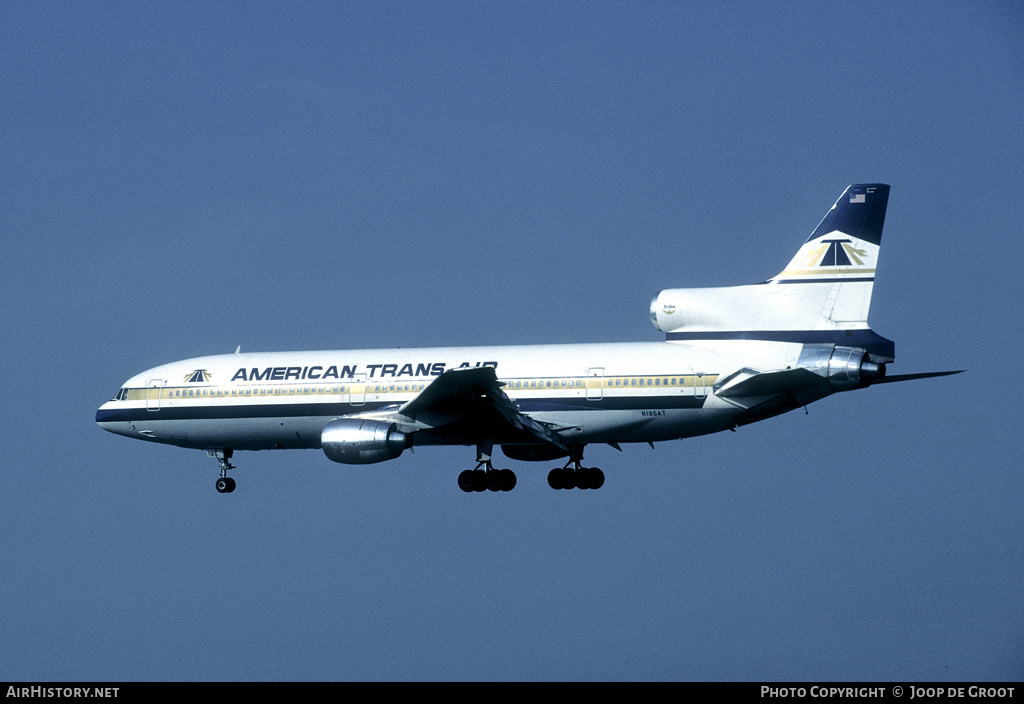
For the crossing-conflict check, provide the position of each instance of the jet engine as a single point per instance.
(358, 441)
(845, 367)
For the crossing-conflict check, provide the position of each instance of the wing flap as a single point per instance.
(460, 393)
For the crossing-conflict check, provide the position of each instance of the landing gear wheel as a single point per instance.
(466, 480)
(479, 480)
(589, 478)
(566, 478)
(507, 479)
(570, 478)
(501, 480)
(583, 478)
(225, 485)
(555, 478)
(493, 477)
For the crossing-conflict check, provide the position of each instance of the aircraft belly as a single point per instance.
(653, 425)
(234, 433)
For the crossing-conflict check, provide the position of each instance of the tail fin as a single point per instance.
(844, 246)
(822, 296)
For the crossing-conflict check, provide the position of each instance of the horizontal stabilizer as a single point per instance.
(910, 377)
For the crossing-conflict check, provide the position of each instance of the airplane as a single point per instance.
(731, 356)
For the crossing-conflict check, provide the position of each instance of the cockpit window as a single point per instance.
(121, 395)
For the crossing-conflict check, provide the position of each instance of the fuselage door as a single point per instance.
(357, 386)
(595, 383)
(153, 392)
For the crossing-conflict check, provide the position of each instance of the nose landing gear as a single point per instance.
(225, 484)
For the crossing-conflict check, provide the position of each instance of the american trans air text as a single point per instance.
(374, 371)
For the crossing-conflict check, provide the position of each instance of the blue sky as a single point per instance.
(179, 179)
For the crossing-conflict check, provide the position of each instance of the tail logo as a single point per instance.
(836, 253)
(199, 376)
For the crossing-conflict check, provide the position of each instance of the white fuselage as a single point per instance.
(615, 392)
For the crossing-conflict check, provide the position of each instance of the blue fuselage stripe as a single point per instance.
(307, 410)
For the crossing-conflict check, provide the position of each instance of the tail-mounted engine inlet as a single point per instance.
(845, 367)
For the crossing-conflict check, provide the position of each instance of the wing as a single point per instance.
(750, 384)
(469, 403)
(766, 394)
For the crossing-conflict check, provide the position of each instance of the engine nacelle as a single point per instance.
(357, 441)
(845, 367)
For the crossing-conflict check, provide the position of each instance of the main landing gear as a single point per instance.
(576, 476)
(485, 477)
(225, 484)
(572, 476)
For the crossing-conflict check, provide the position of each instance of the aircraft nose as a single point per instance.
(105, 417)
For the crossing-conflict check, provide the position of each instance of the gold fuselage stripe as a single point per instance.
(832, 274)
(511, 386)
